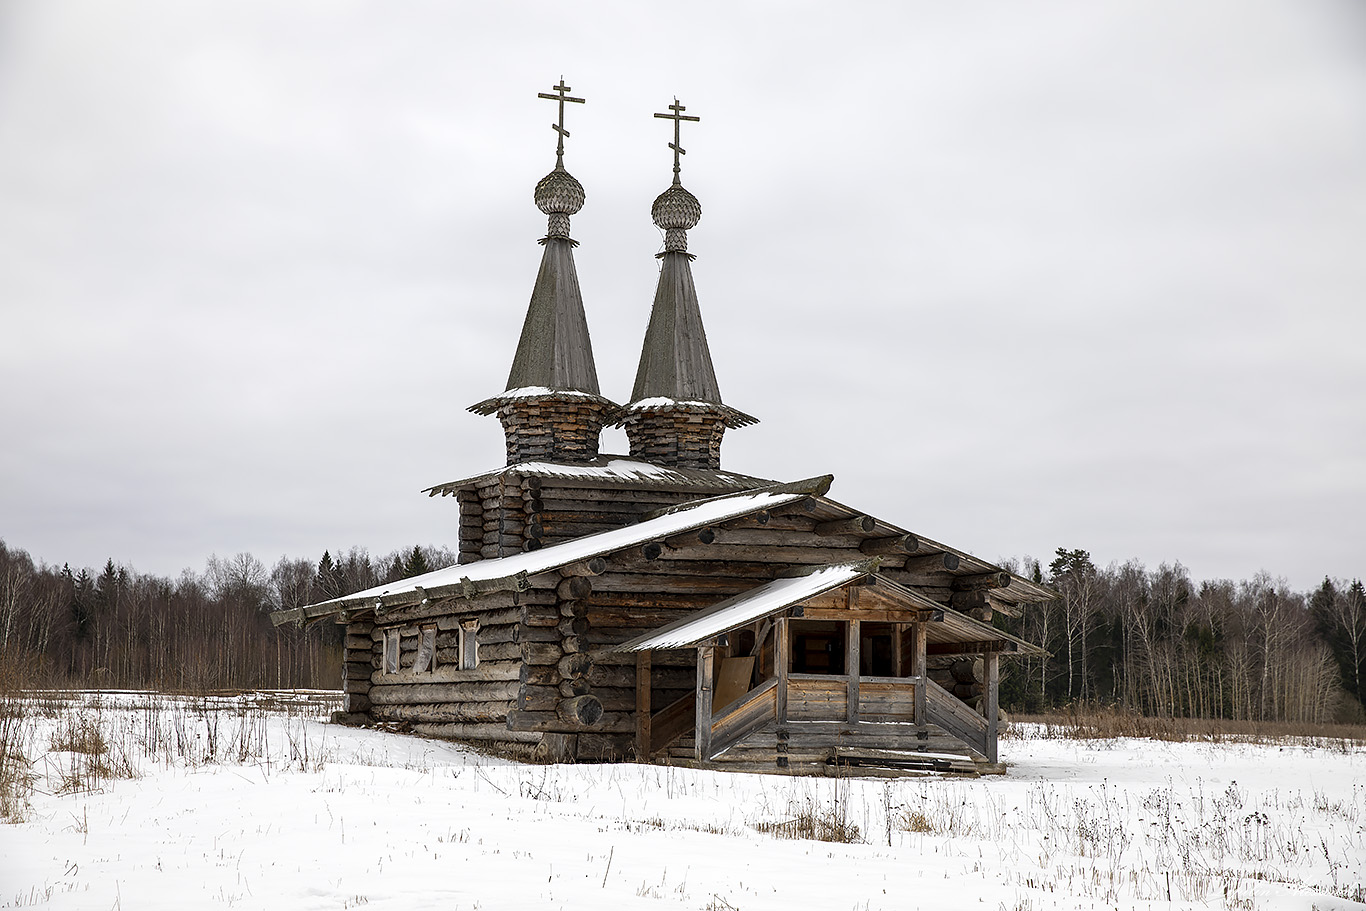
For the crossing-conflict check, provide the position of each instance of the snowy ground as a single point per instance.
(152, 802)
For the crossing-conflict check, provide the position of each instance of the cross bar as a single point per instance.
(560, 97)
(677, 117)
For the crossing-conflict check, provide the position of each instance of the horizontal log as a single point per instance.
(583, 711)
(540, 675)
(624, 700)
(857, 525)
(422, 694)
(541, 652)
(573, 626)
(968, 670)
(576, 687)
(541, 615)
(624, 676)
(693, 564)
(444, 711)
(661, 583)
(981, 582)
(646, 618)
(537, 634)
(574, 588)
(901, 544)
(551, 722)
(969, 648)
(931, 563)
(702, 536)
(686, 657)
(683, 601)
(592, 567)
(500, 651)
(538, 698)
(450, 672)
(576, 665)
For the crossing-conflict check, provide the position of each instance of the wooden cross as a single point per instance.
(677, 117)
(561, 97)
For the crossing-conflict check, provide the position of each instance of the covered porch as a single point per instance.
(825, 668)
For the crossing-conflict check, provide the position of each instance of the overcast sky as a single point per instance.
(1021, 276)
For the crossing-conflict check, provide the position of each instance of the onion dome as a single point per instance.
(559, 195)
(676, 210)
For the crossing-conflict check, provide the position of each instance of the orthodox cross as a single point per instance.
(561, 97)
(677, 117)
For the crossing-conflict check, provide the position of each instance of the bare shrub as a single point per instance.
(1086, 721)
(16, 731)
(814, 819)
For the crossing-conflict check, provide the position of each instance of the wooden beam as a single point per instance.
(992, 701)
(981, 582)
(901, 544)
(592, 567)
(874, 615)
(782, 658)
(918, 672)
(932, 563)
(981, 646)
(858, 525)
(706, 663)
(643, 719)
(851, 662)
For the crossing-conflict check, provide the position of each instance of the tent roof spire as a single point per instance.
(554, 354)
(675, 361)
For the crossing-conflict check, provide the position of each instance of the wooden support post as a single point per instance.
(706, 685)
(918, 672)
(991, 700)
(782, 660)
(643, 706)
(898, 659)
(851, 662)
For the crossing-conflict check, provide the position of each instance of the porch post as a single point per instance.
(643, 663)
(919, 673)
(851, 663)
(782, 659)
(706, 661)
(991, 699)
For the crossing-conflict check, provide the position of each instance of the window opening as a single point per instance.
(391, 646)
(818, 646)
(425, 659)
(877, 652)
(469, 644)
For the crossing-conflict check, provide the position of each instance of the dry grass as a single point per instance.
(1093, 722)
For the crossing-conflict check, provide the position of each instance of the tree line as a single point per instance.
(1157, 643)
(197, 632)
(1152, 641)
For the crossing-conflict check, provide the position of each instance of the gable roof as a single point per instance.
(1020, 591)
(512, 573)
(949, 626)
(749, 606)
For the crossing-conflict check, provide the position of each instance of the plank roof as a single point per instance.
(511, 573)
(613, 471)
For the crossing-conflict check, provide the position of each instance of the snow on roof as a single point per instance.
(464, 577)
(768, 598)
(614, 468)
(527, 393)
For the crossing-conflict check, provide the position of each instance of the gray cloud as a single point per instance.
(1064, 275)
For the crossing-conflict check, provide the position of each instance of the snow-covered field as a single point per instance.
(147, 802)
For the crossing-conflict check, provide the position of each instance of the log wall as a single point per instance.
(542, 682)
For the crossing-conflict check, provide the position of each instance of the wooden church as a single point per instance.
(655, 606)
